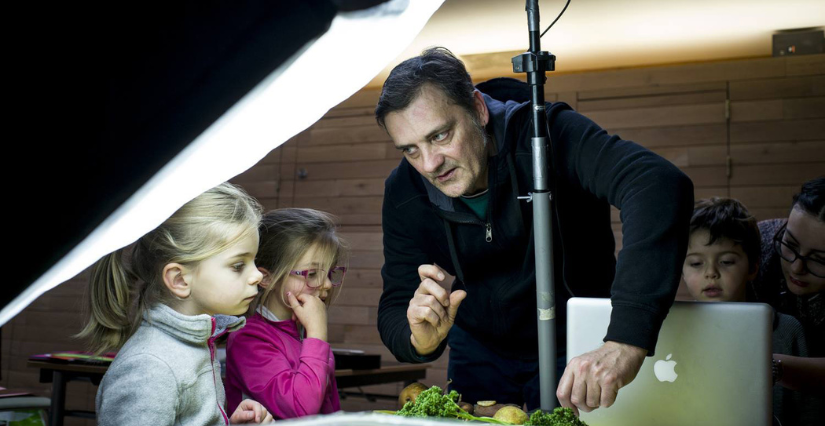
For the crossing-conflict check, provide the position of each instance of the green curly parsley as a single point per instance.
(433, 403)
(559, 417)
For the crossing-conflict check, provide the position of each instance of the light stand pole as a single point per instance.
(535, 63)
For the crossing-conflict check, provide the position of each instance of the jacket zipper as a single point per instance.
(211, 344)
(488, 227)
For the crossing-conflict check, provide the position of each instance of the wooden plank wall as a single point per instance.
(749, 129)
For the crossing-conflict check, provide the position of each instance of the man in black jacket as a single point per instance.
(451, 207)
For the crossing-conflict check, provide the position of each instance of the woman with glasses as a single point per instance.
(792, 280)
(282, 355)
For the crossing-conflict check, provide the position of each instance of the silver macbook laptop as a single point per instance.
(711, 366)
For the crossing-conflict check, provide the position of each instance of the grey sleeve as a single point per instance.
(139, 390)
(789, 337)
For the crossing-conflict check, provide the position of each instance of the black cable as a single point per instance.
(557, 18)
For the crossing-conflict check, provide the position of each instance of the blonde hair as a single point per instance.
(202, 228)
(286, 235)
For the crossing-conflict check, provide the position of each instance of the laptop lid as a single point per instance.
(711, 366)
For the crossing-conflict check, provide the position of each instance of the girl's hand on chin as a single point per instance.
(311, 312)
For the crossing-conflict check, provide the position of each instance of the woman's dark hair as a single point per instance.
(728, 218)
(811, 199)
(437, 66)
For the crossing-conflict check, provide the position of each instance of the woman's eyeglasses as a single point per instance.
(815, 267)
(314, 278)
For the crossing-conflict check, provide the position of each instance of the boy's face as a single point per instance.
(716, 272)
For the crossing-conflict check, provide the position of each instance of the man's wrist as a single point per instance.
(420, 351)
(641, 352)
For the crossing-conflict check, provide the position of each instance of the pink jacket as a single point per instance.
(266, 361)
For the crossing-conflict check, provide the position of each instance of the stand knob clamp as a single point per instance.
(529, 196)
(534, 64)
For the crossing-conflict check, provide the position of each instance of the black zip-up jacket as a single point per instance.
(493, 259)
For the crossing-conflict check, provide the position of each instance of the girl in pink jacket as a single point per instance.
(282, 358)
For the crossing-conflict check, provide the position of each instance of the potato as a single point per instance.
(511, 414)
(410, 393)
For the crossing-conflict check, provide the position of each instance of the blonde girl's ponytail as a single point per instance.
(111, 321)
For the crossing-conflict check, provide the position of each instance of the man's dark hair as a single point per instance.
(728, 218)
(437, 66)
(811, 199)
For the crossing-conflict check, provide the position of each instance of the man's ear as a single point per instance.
(267, 278)
(481, 108)
(176, 277)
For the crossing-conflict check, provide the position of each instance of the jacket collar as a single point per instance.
(197, 329)
(290, 326)
(266, 313)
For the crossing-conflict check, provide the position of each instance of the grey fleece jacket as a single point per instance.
(167, 373)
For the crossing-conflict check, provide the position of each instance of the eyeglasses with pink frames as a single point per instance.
(314, 278)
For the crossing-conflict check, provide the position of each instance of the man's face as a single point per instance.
(442, 141)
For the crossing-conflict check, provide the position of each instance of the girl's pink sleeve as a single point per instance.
(287, 388)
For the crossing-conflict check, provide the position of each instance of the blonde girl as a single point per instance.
(282, 358)
(186, 282)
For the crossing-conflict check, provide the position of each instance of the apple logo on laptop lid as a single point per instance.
(665, 370)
